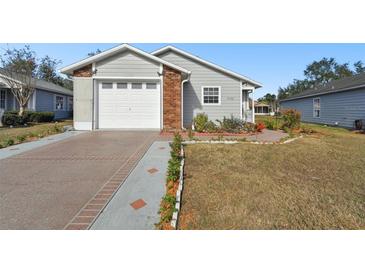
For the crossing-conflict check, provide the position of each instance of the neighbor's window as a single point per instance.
(2, 99)
(60, 102)
(107, 85)
(122, 85)
(136, 85)
(316, 107)
(211, 95)
(151, 85)
(70, 104)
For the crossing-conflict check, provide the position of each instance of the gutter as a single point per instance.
(182, 100)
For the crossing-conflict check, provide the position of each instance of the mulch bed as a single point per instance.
(185, 134)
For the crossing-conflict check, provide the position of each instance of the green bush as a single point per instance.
(41, 117)
(11, 118)
(269, 124)
(211, 127)
(291, 119)
(200, 122)
(249, 127)
(232, 124)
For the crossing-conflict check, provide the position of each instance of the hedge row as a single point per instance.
(11, 118)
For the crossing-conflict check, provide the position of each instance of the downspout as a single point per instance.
(182, 100)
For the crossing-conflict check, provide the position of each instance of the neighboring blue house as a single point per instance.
(340, 102)
(46, 97)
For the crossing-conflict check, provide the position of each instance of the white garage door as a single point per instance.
(129, 105)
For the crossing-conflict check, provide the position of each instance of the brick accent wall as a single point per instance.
(171, 99)
(86, 71)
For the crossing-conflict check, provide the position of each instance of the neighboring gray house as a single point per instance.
(46, 97)
(340, 102)
(127, 88)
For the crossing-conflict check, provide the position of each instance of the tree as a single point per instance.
(359, 67)
(319, 73)
(92, 53)
(18, 71)
(47, 70)
(269, 99)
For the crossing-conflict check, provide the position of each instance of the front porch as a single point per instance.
(248, 112)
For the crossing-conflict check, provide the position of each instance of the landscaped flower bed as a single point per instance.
(168, 203)
(228, 127)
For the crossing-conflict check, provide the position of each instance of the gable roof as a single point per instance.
(105, 54)
(344, 84)
(208, 64)
(45, 85)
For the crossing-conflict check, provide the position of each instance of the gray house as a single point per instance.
(46, 97)
(340, 102)
(127, 88)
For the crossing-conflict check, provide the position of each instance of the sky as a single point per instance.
(273, 65)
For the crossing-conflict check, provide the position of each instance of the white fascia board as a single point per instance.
(69, 69)
(229, 72)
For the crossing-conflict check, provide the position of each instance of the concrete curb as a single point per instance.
(175, 215)
(242, 142)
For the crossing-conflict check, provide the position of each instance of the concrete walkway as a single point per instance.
(17, 149)
(136, 203)
(268, 135)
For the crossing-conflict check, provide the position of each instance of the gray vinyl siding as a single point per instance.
(341, 107)
(127, 64)
(202, 75)
(45, 101)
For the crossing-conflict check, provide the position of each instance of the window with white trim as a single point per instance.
(136, 85)
(2, 98)
(60, 102)
(107, 85)
(151, 85)
(316, 107)
(211, 95)
(122, 85)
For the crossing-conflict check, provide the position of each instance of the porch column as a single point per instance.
(253, 105)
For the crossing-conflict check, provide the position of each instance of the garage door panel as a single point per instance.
(129, 108)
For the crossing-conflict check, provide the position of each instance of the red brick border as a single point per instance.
(92, 209)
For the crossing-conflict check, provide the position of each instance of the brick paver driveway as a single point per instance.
(65, 184)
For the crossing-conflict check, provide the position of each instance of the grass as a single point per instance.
(12, 136)
(317, 182)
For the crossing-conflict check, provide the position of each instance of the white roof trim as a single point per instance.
(184, 53)
(69, 69)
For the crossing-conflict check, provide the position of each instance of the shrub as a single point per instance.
(232, 124)
(41, 117)
(291, 119)
(269, 124)
(211, 127)
(11, 118)
(259, 127)
(249, 127)
(200, 122)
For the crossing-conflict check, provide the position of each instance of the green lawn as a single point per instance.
(10, 136)
(317, 182)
